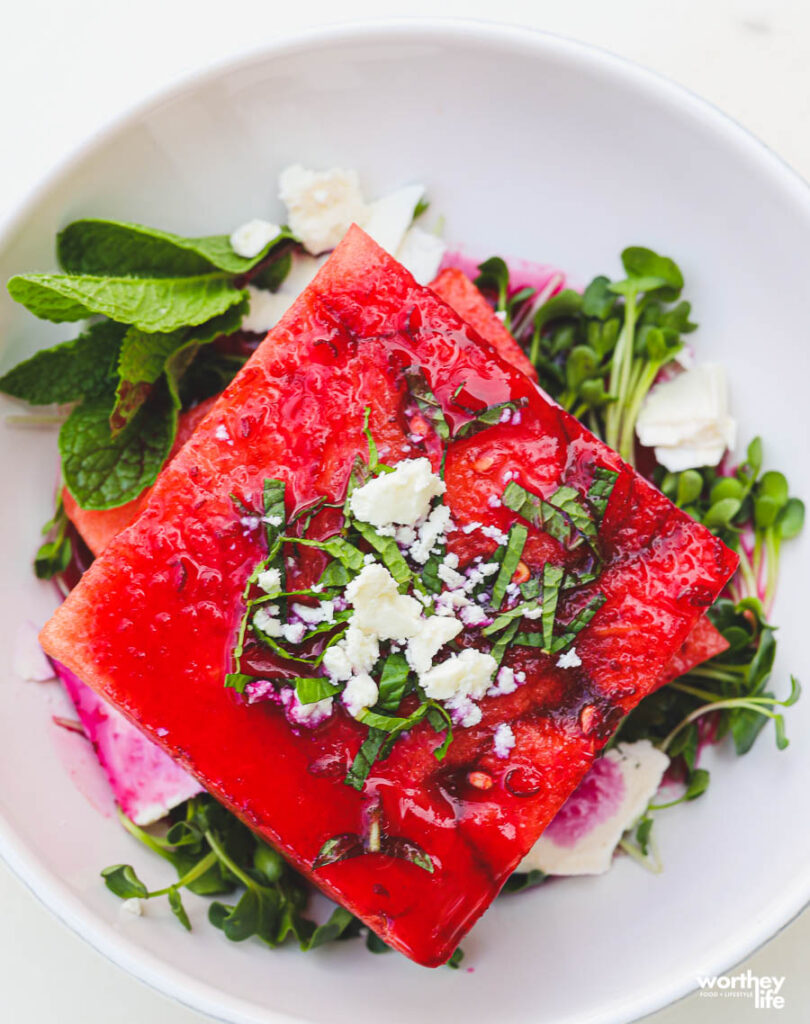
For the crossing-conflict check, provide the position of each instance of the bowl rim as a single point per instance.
(46, 886)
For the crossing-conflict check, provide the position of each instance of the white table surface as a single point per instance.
(68, 68)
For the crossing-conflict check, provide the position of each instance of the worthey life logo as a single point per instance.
(764, 989)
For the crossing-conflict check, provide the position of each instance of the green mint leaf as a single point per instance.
(499, 649)
(364, 759)
(151, 304)
(338, 848)
(373, 457)
(347, 554)
(487, 417)
(578, 623)
(82, 368)
(311, 689)
(394, 682)
(569, 502)
(272, 276)
(456, 958)
(427, 402)
(374, 944)
(102, 471)
(406, 849)
(275, 514)
(514, 549)
(214, 370)
(118, 249)
(387, 549)
(604, 480)
(238, 681)
(141, 361)
(122, 880)
(552, 580)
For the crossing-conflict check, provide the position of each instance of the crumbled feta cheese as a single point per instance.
(501, 315)
(489, 568)
(495, 534)
(569, 659)
(609, 800)
(494, 501)
(308, 715)
(402, 497)
(133, 906)
(269, 581)
(321, 205)
(453, 579)
(266, 622)
(221, 434)
(336, 662)
(470, 527)
(505, 682)
(434, 633)
(387, 219)
(379, 608)
(324, 612)
(503, 740)
(361, 692)
(451, 559)
(421, 253)
(431, 533)
(467, 674)
(249, 239)
(405, 535)
(686, 419)
(293, 632)
(464, 711)
(259, 690)
(473, 616)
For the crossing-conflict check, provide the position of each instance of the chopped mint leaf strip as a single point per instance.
(122, 880)
(387, 549)
(503, 643)
(104, 471)
(339, 848)
(503, 620)
(238, 681)
(427, 402)
(519, 500)
(335, 575)
(577, 624)
(275, 515)
(430, 571)
(568, 501)
(346, 553)
(365, 758)
(601, 489)
(118, 249)
(406, 849)
(552, 579)
(456, 958)
(53, 557)
(394, 682)
(272, 276)
(373, 457)
(374, 944)
(509, 563)
(311, 689)
(486, 418)
(151, 304)
(82, 368)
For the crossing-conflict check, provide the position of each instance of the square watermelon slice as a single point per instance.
(152, 624)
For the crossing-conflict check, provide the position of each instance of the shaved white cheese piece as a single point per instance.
(686, 419)
(421, 253)
(402, 497)
(612, 796)
(387, 219)
(321, 205)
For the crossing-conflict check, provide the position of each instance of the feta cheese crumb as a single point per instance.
(355, 654)
(470, 527)
(472, 615)
(431, 533)
(505, 682)
(433, 635)
(401, 497)
(569, 659)
(308, 715)
(221, 434)
(504, 740)
(464, 712)
(249, 239)
(293, 632)
(269, 581)
(133, 906)
(453, 579)
(686, 419)
(379, 608)
(467, 674)
(324, 612)
(265, 309)
(321, 205)
(361, 692)
(387, 219)
(266, 622)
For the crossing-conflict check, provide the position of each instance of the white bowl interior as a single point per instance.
(530, 147)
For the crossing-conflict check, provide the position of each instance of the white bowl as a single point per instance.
(531, 146)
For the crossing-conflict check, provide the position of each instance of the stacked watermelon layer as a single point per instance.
(151, 625)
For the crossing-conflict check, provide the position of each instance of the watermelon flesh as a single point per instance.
(151, 624)
(145, 781)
